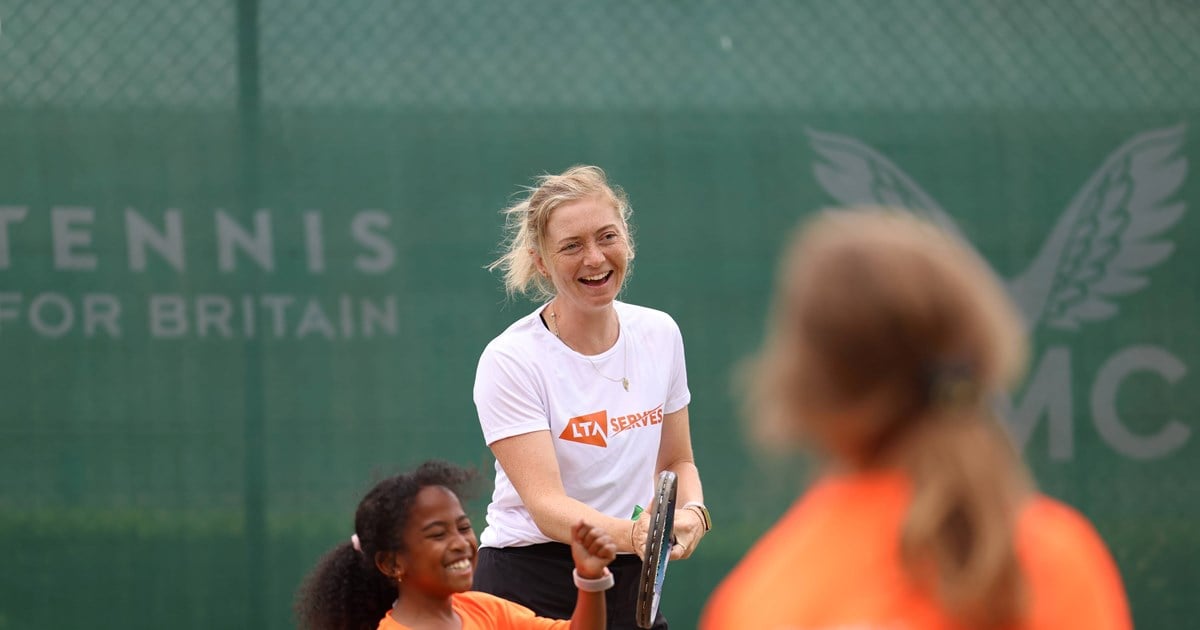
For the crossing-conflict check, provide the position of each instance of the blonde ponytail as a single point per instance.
(517, 263)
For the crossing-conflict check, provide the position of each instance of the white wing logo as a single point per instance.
(1101, 247)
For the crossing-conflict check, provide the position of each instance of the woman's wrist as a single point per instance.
(697, 509)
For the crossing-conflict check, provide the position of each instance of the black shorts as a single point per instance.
(539, 578)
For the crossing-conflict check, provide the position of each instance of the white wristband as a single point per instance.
(596, 585)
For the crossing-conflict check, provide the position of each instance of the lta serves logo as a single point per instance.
(1103, 246)
(596, 428)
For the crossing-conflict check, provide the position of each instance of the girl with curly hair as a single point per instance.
(411, 560)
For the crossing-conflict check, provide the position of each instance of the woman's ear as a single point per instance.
(541, 264)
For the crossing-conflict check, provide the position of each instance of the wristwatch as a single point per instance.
(699, 508)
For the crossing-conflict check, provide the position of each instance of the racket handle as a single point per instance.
(637, 511)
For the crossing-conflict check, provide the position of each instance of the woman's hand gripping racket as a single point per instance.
(658, 549)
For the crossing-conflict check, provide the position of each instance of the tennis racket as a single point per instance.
(658, 549)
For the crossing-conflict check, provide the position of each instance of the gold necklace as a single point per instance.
(624, 381)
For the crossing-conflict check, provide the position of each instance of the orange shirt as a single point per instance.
(833, 562)
(482, 611)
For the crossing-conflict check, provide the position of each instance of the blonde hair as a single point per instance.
(525, 225)
(880, 302)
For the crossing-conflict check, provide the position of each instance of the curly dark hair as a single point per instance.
(346, 590)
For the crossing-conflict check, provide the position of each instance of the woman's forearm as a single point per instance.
(555, 514)
(688, 488)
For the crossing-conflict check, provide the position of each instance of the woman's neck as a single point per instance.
(590, 332)
(423, 612)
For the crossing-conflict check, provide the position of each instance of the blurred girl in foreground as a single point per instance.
(889, 342)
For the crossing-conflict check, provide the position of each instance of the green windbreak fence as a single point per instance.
(241, 251)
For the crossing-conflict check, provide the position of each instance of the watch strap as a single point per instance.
(700, 511)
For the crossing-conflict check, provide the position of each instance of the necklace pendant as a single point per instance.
(625, 383)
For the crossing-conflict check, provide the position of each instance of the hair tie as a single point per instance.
(952, 383)
(354, 542)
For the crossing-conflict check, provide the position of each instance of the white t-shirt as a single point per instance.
(605, 438)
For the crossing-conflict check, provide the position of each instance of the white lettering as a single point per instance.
(66, 315)
(385, 255)
(139, 233)
(1104, 408)
(346, 305)
(586, 429)
(213, 311)
(313, 244)
(8, 214)
(257, 246)
(66, 239)
(276, 304)
(168, 316)
(101, 309)
(385, 317)
(237, 239)
(314, 319)
(6, 300)
(1049, 390)
(248, 316)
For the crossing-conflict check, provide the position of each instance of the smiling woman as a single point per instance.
(411, 561)
(583, 402)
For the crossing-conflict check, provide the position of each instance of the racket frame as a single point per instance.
(658, 548)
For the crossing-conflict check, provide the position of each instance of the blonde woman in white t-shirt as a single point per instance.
(583, 402)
